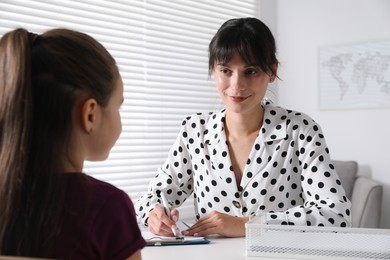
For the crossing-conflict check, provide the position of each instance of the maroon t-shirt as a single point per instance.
(99, 221)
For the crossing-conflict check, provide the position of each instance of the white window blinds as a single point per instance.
(161, 50)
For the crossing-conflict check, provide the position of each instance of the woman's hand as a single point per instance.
(218, 223)
(159, 223)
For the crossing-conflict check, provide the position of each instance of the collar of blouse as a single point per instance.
(274, 125)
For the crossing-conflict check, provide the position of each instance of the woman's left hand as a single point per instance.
(220, 224)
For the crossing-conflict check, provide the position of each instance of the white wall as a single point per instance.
(301, 27)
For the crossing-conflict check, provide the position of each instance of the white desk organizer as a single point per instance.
(301, 242)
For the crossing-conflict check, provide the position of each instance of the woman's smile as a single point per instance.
(238, 99)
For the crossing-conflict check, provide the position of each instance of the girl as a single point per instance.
(60, 97)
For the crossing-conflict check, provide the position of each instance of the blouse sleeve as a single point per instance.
(325, 201)
(174, 179)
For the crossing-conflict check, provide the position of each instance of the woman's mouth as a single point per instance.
(237, 98)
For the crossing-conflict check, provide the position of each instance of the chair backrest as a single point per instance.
(347, 171)
(365, 195)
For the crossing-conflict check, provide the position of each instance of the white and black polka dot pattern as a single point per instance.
(288, 176)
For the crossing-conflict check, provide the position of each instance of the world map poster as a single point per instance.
(355, 75)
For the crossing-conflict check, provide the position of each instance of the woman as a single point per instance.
(249, 158)
(60, 97)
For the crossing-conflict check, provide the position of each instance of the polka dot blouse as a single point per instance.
(289, 178)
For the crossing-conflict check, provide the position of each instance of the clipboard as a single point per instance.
(176, 241)
(153, 240)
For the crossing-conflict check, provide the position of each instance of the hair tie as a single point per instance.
(33, 38)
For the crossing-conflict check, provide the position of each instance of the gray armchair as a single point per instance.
(365, 195)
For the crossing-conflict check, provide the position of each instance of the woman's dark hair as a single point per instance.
(41, 79)
(250, 38)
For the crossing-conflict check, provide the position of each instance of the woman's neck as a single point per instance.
(241, 125)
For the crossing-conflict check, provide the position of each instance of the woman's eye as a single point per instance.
(251, 71)
(224, 71)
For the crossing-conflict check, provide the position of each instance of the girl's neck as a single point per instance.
(70, 164)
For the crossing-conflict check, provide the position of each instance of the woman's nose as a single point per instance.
(236, 83)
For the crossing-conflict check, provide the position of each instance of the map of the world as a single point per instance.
(355, 76)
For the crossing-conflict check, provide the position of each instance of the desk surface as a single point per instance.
(330, 240)
(218, 248)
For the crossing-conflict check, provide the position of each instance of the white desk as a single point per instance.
(218, 248)
(358, 241)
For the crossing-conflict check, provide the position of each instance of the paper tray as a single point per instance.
(317, 242)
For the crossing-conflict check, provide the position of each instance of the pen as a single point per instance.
(167, 209)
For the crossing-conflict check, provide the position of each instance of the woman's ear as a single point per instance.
(89, 115)
(275, 72)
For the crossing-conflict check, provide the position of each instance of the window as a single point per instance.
(161, 51)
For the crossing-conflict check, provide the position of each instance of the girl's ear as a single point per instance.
(89, 115)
